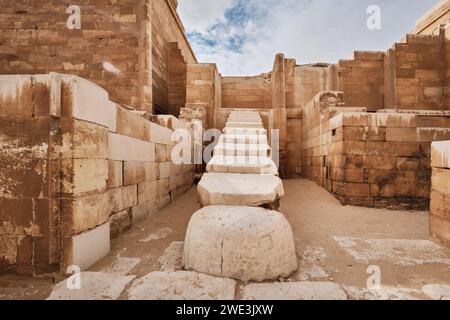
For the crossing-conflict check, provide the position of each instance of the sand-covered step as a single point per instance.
(242, 164)
(240, 189)
(240, 242)
(244, 139)
(240, 149)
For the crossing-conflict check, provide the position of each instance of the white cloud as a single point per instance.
(307, 30)
(200, 15)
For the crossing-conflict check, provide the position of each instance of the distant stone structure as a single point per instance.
(86, 117)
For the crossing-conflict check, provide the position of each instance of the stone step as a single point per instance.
(242, 164)
(245, 118)
(240, 242)
(245, 131)
(240, 189)
(244, 125)
(233, 149)
(244, 139)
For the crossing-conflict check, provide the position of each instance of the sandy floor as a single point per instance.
(335, 244)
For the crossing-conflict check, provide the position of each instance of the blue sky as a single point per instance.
(243, 36)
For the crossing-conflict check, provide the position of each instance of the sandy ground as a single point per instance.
(335, 244)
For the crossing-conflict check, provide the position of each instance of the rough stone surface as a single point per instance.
(239, 242)
(94, 286)
(181, 286)
(242, 164)
(240, 189)
(294, 291)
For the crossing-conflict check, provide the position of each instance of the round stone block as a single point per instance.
(240, 242)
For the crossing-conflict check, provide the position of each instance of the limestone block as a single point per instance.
(239, 164)
(132, 125)
(181, 286)
(123, 148)
(84, 140)
(242, 149)
(122, 198)
(164, 170)
(115, 174)
(245, 131)
(240, 242)
(244, 139)
(85, 249)
(81, 176)
(160, 134)
(90, 102)
(137, 172)
(240, 189)
(82, 214)
(244, 125)
(147, 191)
(94, 286)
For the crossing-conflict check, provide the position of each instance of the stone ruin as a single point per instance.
(232, 237)
(86, 148)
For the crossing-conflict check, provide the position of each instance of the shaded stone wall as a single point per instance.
(204, 88)
(247, 92)
(419, 73)
(440, 193)
(168, 36)
(362, 80)
(77, 169)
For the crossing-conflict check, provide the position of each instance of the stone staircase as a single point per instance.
(237, 234)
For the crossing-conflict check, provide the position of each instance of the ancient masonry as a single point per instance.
(87, 118)
(232, 237)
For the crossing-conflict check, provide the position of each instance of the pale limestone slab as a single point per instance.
(181, 286)
(242, 164)
(403, 252)
(160, 134)
(244, 125)
(239, 189)
(243, 139)
(294, 291)
(245, 131)
(90, 102)
(123, 148)
(242, 149)
(240, 242)
(94, 286)
(89, 247)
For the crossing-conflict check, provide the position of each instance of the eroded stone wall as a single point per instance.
(362, 80)
(123, 46)
(371, 159)
(77, 169)
(247, 92)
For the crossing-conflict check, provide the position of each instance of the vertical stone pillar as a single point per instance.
(279, 106)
